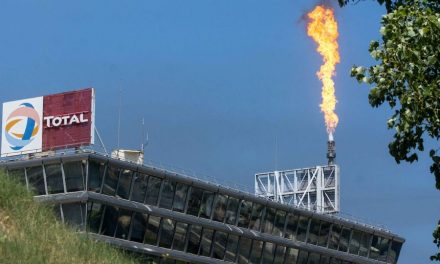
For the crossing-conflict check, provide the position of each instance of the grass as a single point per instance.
(30, 233)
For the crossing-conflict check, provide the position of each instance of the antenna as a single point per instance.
(276, 152)
(145, 137)
(119, 117)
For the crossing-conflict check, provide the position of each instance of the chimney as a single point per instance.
(331, 149)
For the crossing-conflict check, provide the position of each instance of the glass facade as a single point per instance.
(54, 178)
(188, 198)
(74, 173)
(167, 233)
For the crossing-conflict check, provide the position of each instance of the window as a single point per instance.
(383, 249)
(303, 225)
(109, 221)
(166, 233)
(96, 172)
(244, 249)
(219, 246)
(205, 247)
(220, 207)
(167, 195)
(152, 230)
(139, 225)
(335, 261)
(195, 199)
(206, 206)
(324, 259)
(18, 174)
(323, 234)
(270, 218)
(36, 179)
(256, 251)
(74, 175)
(124, 184)
(365, 244)
(393, 255)
(180, 197)
(153, 190)
(256, 216)
(269, 252)
(344, 239)
(245, 213)
(280, 220)
(111, 180)
(194, 239)
(140, 183)
(231, 248)
(180, 236)
(231, 211)
(124, 221)
(355, 242)
(166, 260)
(291, 255)
(313, 232)
(292, 224)
(302, 257)
(54, 178)
(279, 254)
(334, 237)
(313, 258)
(74, 215)
(379, 248)
(94, 216)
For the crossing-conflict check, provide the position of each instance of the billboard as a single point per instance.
(51, 122)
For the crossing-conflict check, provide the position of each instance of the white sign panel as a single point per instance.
(22, 126)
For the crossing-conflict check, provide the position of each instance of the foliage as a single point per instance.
(436, 235)
(392, 5)
(30, 233)
(407, 77)
(388, 3)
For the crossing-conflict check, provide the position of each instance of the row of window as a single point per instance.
(194, 239)
(74, 214)
(126, 184)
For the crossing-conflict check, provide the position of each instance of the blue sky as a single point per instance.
(217, 82)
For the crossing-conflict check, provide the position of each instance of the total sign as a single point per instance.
(64, 120)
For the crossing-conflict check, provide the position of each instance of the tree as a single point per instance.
(391, 5)
(407, 77)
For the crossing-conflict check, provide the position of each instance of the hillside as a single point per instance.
(30, 233)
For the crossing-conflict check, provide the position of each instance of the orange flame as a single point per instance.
(323, 28)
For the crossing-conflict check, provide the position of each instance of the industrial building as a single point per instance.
(167, 217)
(162, 216)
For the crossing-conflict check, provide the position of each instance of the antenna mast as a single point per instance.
(145, 137)
(119, 117)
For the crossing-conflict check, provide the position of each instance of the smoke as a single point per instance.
(326, 3)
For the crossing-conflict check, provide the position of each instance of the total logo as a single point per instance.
(22, 126)
(48, 123)
(66, 120)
